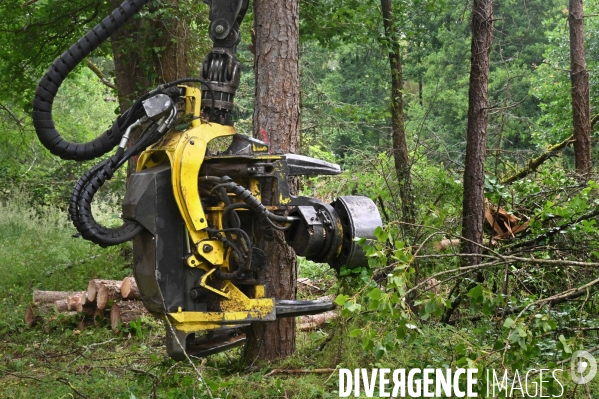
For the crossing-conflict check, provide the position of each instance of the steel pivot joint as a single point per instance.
(221, 66)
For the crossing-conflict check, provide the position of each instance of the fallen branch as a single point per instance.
(534, 163)
(561, 297)
(66, 382)
(555, 230)
(507, 259)
(99, 74)
(312, 322)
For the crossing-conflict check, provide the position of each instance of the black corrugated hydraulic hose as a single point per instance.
(57, 73)
(81, 213)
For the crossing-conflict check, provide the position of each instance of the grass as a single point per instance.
(55, 360)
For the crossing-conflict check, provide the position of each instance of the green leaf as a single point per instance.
(341, 299)
(475, 292)
(355, 333)
(508, 323)
(565, 345)
(380, 234)
(375, 294)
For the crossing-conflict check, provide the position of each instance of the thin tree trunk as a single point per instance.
(580, 90)
(400, 148)
(276, 118)
(473, 212)
(474, 173)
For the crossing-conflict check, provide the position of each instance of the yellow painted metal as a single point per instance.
(186, 152)
(206, 286)
(254, 188)
(236, 309)
(193, 261)
(193, 101)
(259, 148)
(259, 291)
(216, 253)
(186, 160)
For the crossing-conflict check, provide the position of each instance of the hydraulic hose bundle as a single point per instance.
(90, 182)
(242, 243)
(55, 76)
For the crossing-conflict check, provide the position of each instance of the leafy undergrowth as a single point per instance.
(56, 360)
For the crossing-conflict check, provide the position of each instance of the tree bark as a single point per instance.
(276, 119)
(400, 147)
(40, 297)
(474, 173)
(579, 76)
(125, 311)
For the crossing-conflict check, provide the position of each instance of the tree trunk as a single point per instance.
(474, 173)
(400, 148)
(276, 118)
(473, 212)
(148, 52)
(580, 90)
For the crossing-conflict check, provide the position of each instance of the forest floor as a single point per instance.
(56, 360)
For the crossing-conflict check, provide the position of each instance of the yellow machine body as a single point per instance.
(186, 151)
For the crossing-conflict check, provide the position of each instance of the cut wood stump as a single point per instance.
(124, 312)
(129, 289)
(30, 318)
(108, 292)
(94, 286)
(74, 301)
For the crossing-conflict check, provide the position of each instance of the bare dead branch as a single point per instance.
(67, 382)
(99, 74)
(12, 115)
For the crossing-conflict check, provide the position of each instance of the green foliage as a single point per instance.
(551, 80)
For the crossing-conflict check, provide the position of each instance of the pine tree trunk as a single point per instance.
(400, 148)
(474, 173)
(276, 118)
(580, 90)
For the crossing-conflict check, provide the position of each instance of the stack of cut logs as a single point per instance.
(91, 305)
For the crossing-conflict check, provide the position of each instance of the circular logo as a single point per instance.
(582, 363)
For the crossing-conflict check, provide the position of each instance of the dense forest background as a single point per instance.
(530, 302)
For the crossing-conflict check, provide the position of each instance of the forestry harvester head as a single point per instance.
(195, 216)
